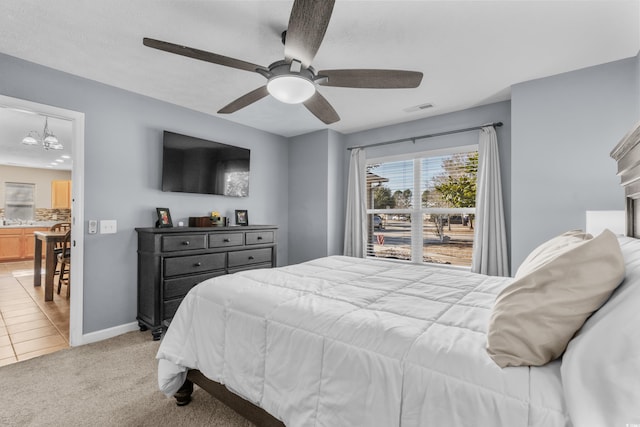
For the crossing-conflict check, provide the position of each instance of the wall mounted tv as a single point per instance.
(194, 165)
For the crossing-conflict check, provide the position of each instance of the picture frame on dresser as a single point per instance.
(164, 218)
(242, 217)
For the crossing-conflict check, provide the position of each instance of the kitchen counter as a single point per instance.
(34, 224)
(17, 240)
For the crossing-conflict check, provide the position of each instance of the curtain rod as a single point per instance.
(413, 139)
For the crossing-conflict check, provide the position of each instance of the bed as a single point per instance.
(342, 341)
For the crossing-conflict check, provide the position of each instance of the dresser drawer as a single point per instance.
(249, 267)
(254, 256)
(220, 240)
(259, 237)
(193, 264)
(179, 287)
(183, 242)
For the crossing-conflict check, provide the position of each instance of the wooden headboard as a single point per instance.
(627, 154)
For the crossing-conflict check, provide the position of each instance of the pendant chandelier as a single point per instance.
(48, 140)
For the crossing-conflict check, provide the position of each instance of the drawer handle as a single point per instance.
(226, 240)
(259, 237)
(186, 243)
(250, 257)
(197, 264)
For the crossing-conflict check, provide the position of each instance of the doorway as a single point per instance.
(77, 202)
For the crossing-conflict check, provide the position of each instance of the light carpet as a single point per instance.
(108, 383)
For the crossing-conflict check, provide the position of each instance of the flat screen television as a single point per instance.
(195, 165)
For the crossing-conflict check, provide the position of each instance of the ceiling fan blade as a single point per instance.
(307, 24)
(371, 79)
(321, 108)
(201, 55)
(244, 100)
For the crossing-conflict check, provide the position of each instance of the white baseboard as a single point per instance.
(108, 333)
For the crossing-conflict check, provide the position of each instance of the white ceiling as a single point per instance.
(471, 52)
(16, 124)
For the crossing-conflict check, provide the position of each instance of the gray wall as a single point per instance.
(337, 193)
(637, 91)
(123, 139)
(563, 128)
(316, 195)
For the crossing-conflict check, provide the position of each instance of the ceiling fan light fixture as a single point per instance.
(291, 88)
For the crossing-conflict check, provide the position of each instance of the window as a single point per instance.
(19, 201)
(422, 208)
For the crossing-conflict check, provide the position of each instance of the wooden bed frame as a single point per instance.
(627, 156)
(248, 410)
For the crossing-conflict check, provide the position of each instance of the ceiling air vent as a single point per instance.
(419, 107)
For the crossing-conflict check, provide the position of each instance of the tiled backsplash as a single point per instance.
(43, 214)
(53, 214)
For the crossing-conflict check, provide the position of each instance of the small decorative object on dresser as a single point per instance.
(242, 217)
(200, 221)
(164, 218)
(172, 261)
(217, 220)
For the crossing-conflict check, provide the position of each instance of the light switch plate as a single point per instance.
(93, 226)
(108, 226)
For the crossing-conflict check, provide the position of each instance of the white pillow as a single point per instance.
(601, 366)
(535, 316)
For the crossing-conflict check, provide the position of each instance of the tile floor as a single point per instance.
(29, 326)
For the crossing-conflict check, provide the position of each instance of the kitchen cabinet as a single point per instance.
(17, 243)
(10, 244)
(60, 194)
(29, 242)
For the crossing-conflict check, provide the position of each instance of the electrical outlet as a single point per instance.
(93, 226)
(108, 226)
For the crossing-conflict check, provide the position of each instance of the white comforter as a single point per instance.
(344, 341)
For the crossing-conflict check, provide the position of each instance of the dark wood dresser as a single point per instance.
(173, 260)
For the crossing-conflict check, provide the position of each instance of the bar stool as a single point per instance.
(64, 259)
(61, 226)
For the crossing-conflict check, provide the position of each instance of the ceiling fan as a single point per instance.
(293, 80)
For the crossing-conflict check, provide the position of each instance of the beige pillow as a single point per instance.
(550, 250)
(535, 317)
